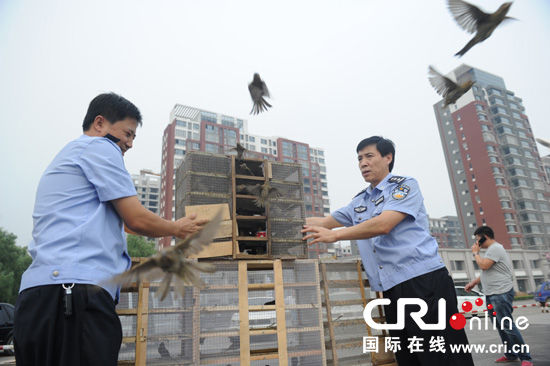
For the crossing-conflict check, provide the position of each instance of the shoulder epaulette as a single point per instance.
(363, 191)
(396, 179)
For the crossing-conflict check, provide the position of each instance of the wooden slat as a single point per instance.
(142, 324)
(249, 177)
(253, 218)
(329, 314)
(234, 209)
(256, 332)
(244, 333)
(280, 311)
(218, 249)
(261, 286)
(251, 238)
(208, 211)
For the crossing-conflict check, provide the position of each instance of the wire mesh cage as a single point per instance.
(201, 198)
(291, 191)
(283, 208)
(202, 162)
(286, 172)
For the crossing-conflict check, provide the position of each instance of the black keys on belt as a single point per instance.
(68, 299)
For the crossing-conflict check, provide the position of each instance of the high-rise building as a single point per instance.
(496, 173)
(447, 231)
(147, 186)
(192, 129)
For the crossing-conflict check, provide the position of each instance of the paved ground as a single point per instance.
(537, 336)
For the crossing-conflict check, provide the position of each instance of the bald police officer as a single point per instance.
(400, 257)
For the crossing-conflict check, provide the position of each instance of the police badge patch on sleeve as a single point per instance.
(400, 192)
(396, 179)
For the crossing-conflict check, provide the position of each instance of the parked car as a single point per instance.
(6, 326)
(463, 296)
(543, 294)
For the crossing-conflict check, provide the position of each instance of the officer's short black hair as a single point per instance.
(384, 147)
(111, 106)
(485, 230)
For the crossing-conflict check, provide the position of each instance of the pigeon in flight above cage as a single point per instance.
(473, 20)
(240, 149)
(172, 263)
(448, 89)
(258, 90)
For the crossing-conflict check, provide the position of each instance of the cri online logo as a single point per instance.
(456, 321)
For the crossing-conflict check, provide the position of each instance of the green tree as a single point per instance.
(14, 261)
(138, 246)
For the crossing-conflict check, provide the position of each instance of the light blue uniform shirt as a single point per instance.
(78, 237)
(408, 250)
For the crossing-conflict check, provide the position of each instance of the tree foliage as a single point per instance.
(138, 246)
(14, 261)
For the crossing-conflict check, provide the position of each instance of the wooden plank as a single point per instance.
(253, 218)
(208, 211)
(249, 177)
(318, 305)
(195, 332)
(280, 312)
(234, 209)
(329, 314)
(142, 324)
(261, 286)
(251, 238)
(244, 327)
(218, 249)
(268, 170)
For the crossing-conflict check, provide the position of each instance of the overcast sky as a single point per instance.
(338, 71)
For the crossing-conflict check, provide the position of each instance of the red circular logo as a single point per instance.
(457, 321)
(479, 301)
(466, 306)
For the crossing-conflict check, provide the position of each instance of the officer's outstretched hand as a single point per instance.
(319, 234)
(189, 225)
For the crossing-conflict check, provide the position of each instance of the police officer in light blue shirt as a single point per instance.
(389, 221)
(65, 312)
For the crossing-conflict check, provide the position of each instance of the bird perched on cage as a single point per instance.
(474, 20)
(171, 263)
(245, 167)
(258, 90)
(240, 149)
(163, 351)
(264, 192)
(448, 89)
(543, 142)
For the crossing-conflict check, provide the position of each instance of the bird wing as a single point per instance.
(274, 193)
(254, 190)
(543, 142)
(468, 16)
(147, 270)
(265, 91)
(195, 243)
(442, 84)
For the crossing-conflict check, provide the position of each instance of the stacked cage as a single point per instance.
(286, 215)
(345, 291)
(203, 179)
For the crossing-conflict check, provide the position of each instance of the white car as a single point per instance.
(477, 307)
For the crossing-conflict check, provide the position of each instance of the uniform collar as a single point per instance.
(380, 187)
